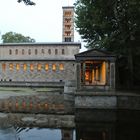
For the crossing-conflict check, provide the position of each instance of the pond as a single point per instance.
(12, 133)
(109, 125)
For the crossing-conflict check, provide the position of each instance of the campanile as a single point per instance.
(68, 24)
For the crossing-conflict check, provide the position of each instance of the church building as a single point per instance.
(41, 63)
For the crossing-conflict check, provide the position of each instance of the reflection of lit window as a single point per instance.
(17, 67)
(53, 67)
(3, 67)
(16, 51)
(10, 52)
(63, 51)
(39, 67)
(31, 67)
(22, 51)
(24, 67)
(35, 51)
(46, 67)
(61, 67)
(11, 66)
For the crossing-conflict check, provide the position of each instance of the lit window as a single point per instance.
(29, 51)
(56, 51)
(24, 67)
(31, 67)
(16, 51)
(63, 51)
(22, 51)
(61, 67)
(54, 67)
(3, 67)
(10, 52)
(35, 51)
(11, 66)
(46, 67)
(39, 66)
(68, 13)
(49, 51)
(17, 67)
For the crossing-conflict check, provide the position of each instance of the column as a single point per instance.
(112, 75)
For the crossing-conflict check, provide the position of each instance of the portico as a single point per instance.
(95, 70)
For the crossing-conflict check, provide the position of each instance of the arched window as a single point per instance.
(3, 67)
(23, 52)
(10, 52)
(16, 51)
(29, 51)
(63, 51)
(61, 66)
(17, 67)
(46, 67)
(35, 51)
(10, 66)
(24, 67)
(31, 67)
(49, 51)
(54, 67)
(42, 51)
(39, 66)
(56, 51)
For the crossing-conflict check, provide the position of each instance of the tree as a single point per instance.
(114, 25)
(12, 37)
(27, 2)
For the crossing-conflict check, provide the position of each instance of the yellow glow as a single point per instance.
(103, 72)
(17, 67)
(97, 74)
(3, 67)
(61, 67)
(11, 66)
(31, 67)
(46, 67)
(39, 66)
(53, 67)
(24, 67)
(87, 75)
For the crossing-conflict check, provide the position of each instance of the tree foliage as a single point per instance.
(114, 25)
(27, 2)
(12, 37)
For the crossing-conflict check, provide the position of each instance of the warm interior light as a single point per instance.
(53, 67)
(17, 66)
(46, 67)
(31, 67)
(3, 67)
(24, 67)
(61, 67)
(11, 66)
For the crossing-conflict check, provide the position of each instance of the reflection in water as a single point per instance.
(11, 133)
(124, 126)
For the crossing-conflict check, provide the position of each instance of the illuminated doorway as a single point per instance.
(93, 73)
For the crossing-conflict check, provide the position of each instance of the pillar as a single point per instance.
(112, 75)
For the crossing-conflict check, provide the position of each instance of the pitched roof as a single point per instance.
(94, 54)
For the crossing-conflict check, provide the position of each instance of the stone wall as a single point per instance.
(107, 100)
(35, 75)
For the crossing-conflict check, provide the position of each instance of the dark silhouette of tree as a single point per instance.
(27, 2)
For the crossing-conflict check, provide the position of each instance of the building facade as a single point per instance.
(41, 62)
(38, 62)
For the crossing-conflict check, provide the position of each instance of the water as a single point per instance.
(12, 133)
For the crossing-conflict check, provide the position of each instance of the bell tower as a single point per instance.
(68, 24)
